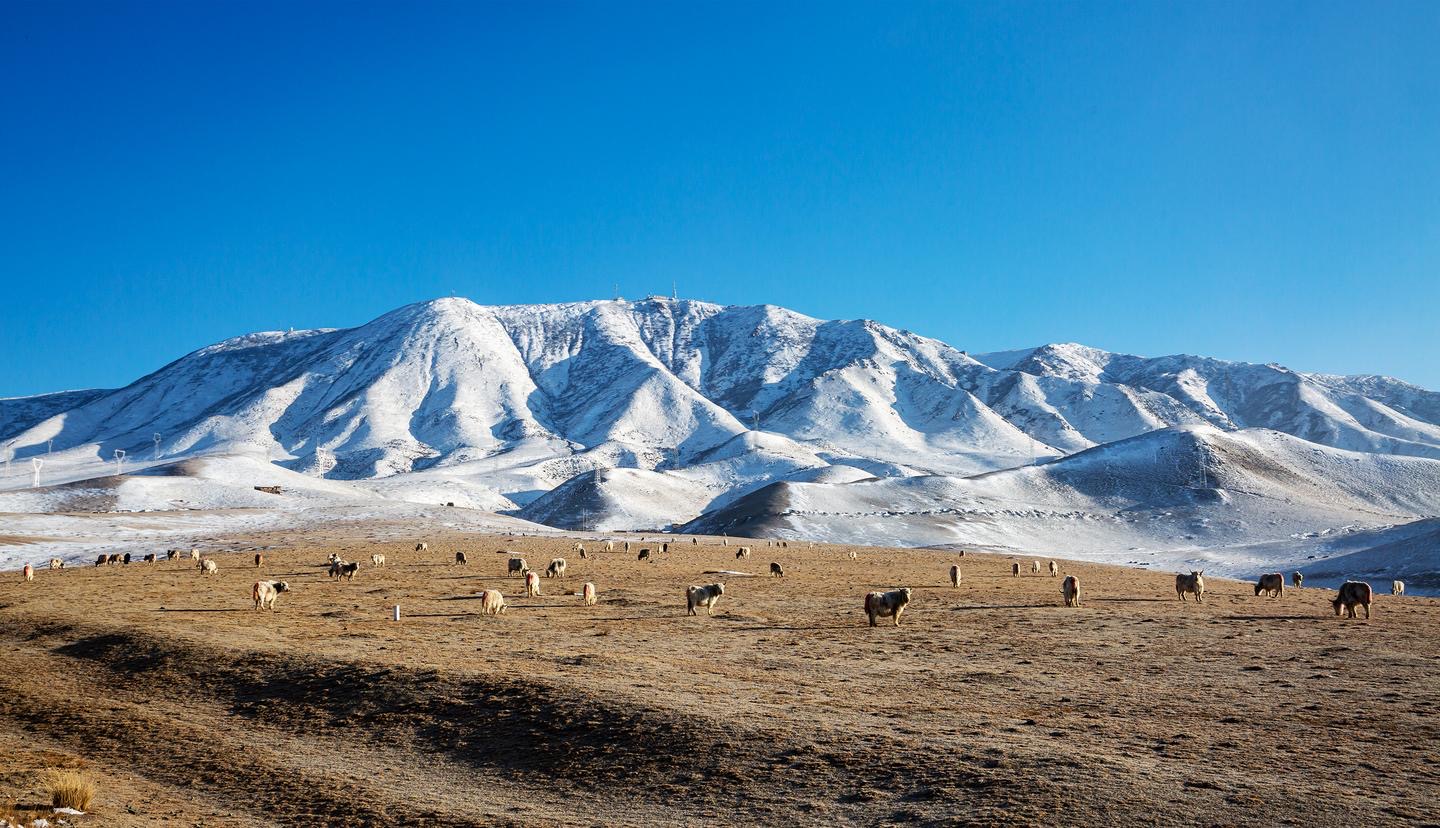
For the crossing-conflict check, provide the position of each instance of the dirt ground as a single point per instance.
(991, 704)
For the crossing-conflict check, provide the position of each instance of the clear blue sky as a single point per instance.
(1254, 181)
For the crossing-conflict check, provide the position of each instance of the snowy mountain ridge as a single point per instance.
(659, 382)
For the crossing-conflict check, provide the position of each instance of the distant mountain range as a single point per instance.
(640, 414)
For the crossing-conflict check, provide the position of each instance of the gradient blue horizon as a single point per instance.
(1257, 182)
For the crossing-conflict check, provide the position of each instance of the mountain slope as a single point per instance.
(502, 405)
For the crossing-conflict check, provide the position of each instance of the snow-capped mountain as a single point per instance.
(686, 408)
(658, 383)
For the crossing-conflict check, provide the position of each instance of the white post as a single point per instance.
(119, 461)
(396, 617)
(157, 446)
(49, 446)
(37, 463)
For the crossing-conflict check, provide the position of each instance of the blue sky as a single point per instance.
(1255, 181)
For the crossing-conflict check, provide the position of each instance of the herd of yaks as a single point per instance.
(880, 604)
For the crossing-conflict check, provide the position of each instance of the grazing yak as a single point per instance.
(1298, 578)
(1015, 568)
(208, 567)
(1351, 595)
(556, 569)
(1054, 569)
(1273, 585)
(194, 554)
(29, 572)
(703, 596)
(336, 566)
(532, 585)
(126, 560)
(100, 560)
(377, 559)
(422, 547)
(854, 556)
(644, 555)
(491, 602)
(1192, 584)
(954, 575)
(56, 563)
(587, 594)
(1397, 587)
(1035, 567)
(887, 604)
(348, 570)
(776, 571)
(1070, 589)
(171, 553)
(516, 566)
(742, 552)
(259, 560)
(264, 593)
(460, 558)
(150, 558)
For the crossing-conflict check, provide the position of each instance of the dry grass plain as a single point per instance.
(992, 704)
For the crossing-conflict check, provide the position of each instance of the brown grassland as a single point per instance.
(991, 704)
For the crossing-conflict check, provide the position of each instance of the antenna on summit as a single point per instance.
(674, 291)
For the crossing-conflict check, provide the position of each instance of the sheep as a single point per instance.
(1351, 594)
(954, 575)
(150, 558)
(491, 602)
(887, 604)
(1070, 588)
(29, 572)
(259, 560)
(776, 571)
(348, 570)
(517, 566)
(208, 567)
(532, 585)
(587, 594)
(422, 546)
(1035, 567)
(556, 569)
(461, 559)
(704, 596)
(1272, 584)
(101, 559)
(377, 559)
(56, 563)
(1015, 568)
(742, 552)
(644, 555)
(1054, 569)
(1397, 587)
(1192, 584)
(264, 593)
(1298, 578)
